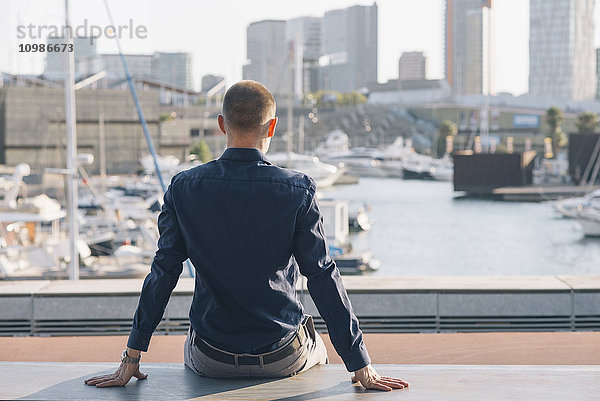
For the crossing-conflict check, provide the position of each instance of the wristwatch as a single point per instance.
(127, 359)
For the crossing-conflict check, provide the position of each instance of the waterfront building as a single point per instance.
(305, 34)
(32, 127)
(412, 66)
(349, 60)
(469, 42)
(561, 51)
(268, 54)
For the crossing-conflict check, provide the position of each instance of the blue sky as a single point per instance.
(215, 31)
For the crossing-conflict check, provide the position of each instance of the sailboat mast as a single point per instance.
(102, 146)
(290, 100)
(71, 151)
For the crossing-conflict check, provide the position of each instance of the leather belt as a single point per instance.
(249, 359)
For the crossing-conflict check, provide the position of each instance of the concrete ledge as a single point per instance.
(383, 304)
(64, 381)
(352, 284)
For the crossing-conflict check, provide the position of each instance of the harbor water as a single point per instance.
(423, 228)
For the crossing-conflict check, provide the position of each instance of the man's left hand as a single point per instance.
(120, 378)
(370, 379)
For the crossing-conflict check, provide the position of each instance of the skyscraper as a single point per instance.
(86, 60)
(209, 81)
(469, 46)
(349, 60)
(173, 69)
(412, 66)
(598, 73)
(561, 49)
(268, 55)
(305, 34)
(140, 65)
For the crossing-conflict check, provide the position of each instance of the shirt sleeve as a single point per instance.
(326, 287)
(164, 274)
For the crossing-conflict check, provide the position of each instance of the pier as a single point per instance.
(541, 193)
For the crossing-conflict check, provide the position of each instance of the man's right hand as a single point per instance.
(120, 378)
(369, 378)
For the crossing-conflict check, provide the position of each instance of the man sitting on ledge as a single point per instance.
(242, 222)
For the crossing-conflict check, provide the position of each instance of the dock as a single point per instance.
(541, 193)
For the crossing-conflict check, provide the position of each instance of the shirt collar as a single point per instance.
(244, 154)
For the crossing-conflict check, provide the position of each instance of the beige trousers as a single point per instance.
(311, 353)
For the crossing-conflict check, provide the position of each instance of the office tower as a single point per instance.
(86, 58)
(268, 55)
(173, 69)
(561, 49)
(598, 73)
(349, 60)
(140, 65)
(209, 81)
(411, 66)
(305, 34)
(469, 46)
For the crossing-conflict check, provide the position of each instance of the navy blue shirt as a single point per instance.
(242, 221)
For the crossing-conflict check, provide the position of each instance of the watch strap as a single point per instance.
(127, 359)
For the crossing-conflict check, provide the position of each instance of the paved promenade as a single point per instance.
(556, 348)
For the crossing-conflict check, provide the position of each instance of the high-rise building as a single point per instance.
(349, 60)
(209, 81)
(469, 46)
(305, 35)
(412, 66)
(173, 69)
(598, 73)
(268, 55)
(561, 49)
(84, 53)
(140, 65)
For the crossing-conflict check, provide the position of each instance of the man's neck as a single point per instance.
(244, 145)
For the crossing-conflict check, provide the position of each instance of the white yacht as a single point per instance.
(423, 167)
(571, 207)
(324, 174)
(589, 219)
(394, 156)
(360, 161)
(335, 141)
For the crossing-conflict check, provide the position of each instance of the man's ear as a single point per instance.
(221, 121)
(272, 125)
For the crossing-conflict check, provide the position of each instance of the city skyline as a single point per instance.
(401, 29)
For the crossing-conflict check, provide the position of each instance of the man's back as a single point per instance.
(240, 219)
(237, 216)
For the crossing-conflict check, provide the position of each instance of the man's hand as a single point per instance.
(369, 378)
(120, 378)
